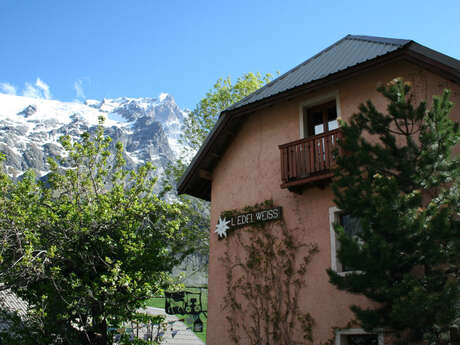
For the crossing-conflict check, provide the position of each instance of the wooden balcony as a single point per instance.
(309, 160)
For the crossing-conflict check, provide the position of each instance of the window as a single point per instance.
(320, 119)
(318, 114)
(357, 336)
(351, 226)
(362, 339)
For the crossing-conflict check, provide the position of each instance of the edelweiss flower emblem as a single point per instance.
(222, 227)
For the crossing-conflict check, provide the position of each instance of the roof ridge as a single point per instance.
(379, 39)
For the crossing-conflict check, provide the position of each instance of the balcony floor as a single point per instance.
(321, 179)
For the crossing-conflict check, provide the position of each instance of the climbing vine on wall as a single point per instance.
(265, 271)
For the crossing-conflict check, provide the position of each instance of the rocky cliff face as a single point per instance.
(30, 128)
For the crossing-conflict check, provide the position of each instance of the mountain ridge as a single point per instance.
(30, 128)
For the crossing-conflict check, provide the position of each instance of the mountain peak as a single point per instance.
(29, 110)
(165, 97)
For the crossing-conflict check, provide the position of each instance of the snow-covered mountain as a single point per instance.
(30, 128)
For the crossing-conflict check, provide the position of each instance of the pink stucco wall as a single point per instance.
(249, 173)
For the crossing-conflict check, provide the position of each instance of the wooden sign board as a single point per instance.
(260, 216)
(245, 219)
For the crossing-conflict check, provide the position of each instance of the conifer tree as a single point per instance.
(398, 176)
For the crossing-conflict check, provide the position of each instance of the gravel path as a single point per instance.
(177, 332)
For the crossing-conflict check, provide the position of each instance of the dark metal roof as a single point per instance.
(343, 59)
(349, 51)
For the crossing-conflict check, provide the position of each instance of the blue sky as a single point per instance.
(92, 49)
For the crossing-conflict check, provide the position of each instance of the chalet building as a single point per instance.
(276, 145)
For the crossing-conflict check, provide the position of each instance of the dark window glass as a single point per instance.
(363, 339)
(320, 119)
(332, 119)
(316, 123)
(351, 227)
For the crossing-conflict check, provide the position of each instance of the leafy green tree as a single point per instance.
(197, 126)
(398, 176)
(223, 94)
(85, 248)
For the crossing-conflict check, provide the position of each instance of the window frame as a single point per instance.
(317, 101)
(336, 265)
(321, 109)
(356, 331)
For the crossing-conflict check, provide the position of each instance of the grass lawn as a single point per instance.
(159, 302)
(156, 302)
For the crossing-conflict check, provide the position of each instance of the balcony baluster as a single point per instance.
(307, 160)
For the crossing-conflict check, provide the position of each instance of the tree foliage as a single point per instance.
(399, 177)
(197, 126)
(223, 94)
(87, 246)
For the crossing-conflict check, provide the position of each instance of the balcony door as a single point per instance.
(320, 119)
(312, 158)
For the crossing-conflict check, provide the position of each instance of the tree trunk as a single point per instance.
(99, 335)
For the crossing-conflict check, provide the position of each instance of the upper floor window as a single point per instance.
(320, 119)
(312, 159)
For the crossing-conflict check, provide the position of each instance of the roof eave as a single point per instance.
(205, 147)
(434, 61)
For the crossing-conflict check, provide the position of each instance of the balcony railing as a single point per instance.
(307, 160)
